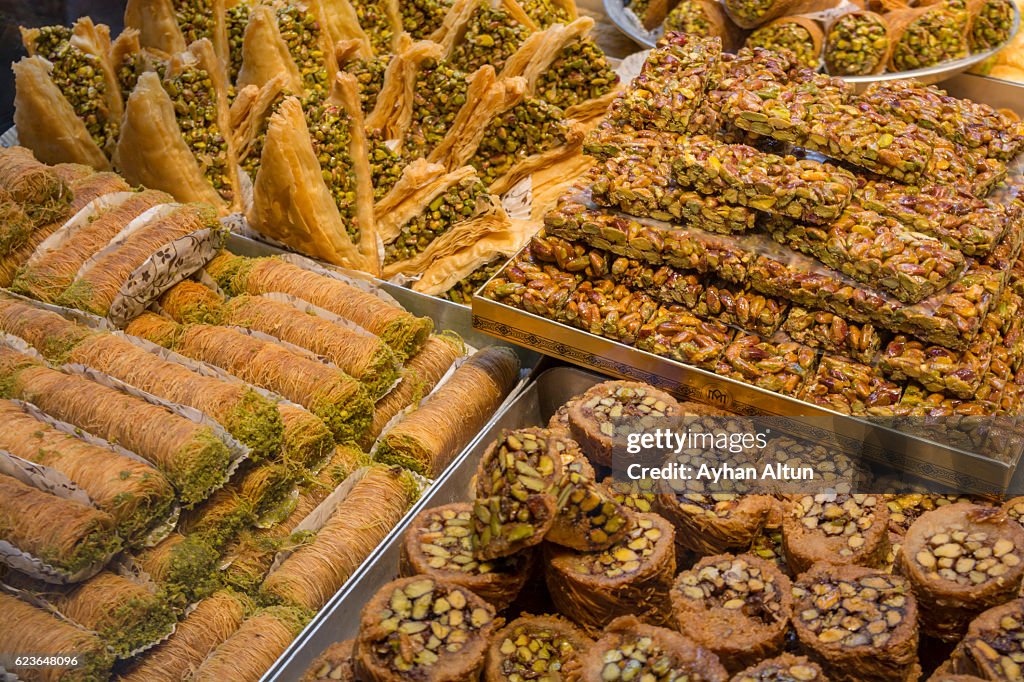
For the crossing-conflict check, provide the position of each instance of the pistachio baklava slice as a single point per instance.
(491, 34)
(176, 131)
(68, 103)
(961, 559)
(250, 114)
(170, 26)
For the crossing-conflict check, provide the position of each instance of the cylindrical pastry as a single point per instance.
(633, 576)
(735, 606)
(439, 543)
(905, 509)
(535, 648)
(784, 668)
(833, 471)
(961, 559)
(993, 648)
(423, 629)
(1014, 509)
(716, 522)
(613, 409)
(515, 493)
(839, 529)
(858, 623)
(631, 650)
(335, 663)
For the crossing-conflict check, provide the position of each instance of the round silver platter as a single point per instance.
(628, 24)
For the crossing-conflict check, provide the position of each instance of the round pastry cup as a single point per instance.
(808, 670)
(335, 663)
(805, 547)
(973, 656)
(947, 608)
(577, 640)
(737, 639)
(704, 533)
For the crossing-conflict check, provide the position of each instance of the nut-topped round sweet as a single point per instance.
(335, 663)
(993, 648)
(535, 648)
(712, 523)
(588, 516)
(833, 471)
(735, 606)
(839, 529)
(1014, 508)
(640, 496)
(631, 650)
(614, 409)
(859, 623)
(784, 668)
(439, 543)
(560, 419)
(423, 629)
(904, 509)
(962, 559)
(633, 576)
(515, 493)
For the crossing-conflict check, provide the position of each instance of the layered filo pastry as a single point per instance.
(479, 32)
(175, 135)
(67, 100)
(170, 27)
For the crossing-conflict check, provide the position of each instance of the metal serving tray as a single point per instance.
(339, 619)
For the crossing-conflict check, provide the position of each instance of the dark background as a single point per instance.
(15, 13)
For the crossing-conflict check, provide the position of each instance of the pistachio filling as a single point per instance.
(530, 127)
(688, 17)
(767, 545)
(781, 670)
(51, 40)
(369, 75)
(855, 45)
(545, 12)
(424, 621)
(992, 25)
(715, 505)
(904, 509)
(373, 19)
(385, 165)
(998, 644)
(517, 472)
(839, 516)
(788, 36)
(446, 540)
(579, 73)
(1015, 511)
(852, 613)
(236, 19)
(79, 77)
(641, 657)
(195, 19)
(251, 163)
(588, 509)
(463, 290)
(329, 132)
(622, 409)
(532, 651)
(128, 72)
(456, 204)
(439, 93)
(195, 106)
(491, 37)
(625, 557)
(959, 556)
(933, 38)
(420, 18)
(734, 585)
(636, 495)
(301, 33)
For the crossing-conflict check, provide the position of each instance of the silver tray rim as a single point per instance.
(616, 11)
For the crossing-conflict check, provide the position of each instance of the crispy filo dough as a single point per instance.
(420, 184)
(550, 182)
(453, 29)
(265, 53)
(392, 113)
(157, 24)
(249, 112)
(152, 151)
(343, 25)
(447, 271)
(294, 206)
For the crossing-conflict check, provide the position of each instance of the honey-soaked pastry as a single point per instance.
(784, 668)
(439, 543)
(961, 559)
(640, 496)
(290, 40)
(614, 409)
(767, 544)
(175, 136)
(735, 606)
(516, 486)
(423, 629)
(713, 522)
(906, 508)
(535, 648)
(835, 528)
(312, 191)
(249, 115)
(859, 624)
(68, 104)
(630, 650)
(335, 663)
(1014, 508)
(170, 26)
(834, 471)
(632, 577)
(993, 648)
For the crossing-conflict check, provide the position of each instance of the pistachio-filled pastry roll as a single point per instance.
(431, 214)
(313, 190)
(564, 67)
(170, 26)
(291, 40)
(479, 32)
(458, 275)
(175, 135)
(68, 105)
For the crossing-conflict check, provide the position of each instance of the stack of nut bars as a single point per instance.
(860, 252)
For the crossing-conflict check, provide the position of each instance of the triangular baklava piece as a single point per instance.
(170, 26)
(479, 32)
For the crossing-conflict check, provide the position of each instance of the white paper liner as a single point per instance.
(22, 346)
(79, 316)
(630, 66)
(81, 219)
(518, 201)
(238, 451)
(43, 478)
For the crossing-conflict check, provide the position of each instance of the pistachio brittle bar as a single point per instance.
(677, 333)
(849, 387)
(781, 366)
(534, 286)
(608, 309)
(747, 309)
(878, 251)
(833, 333)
